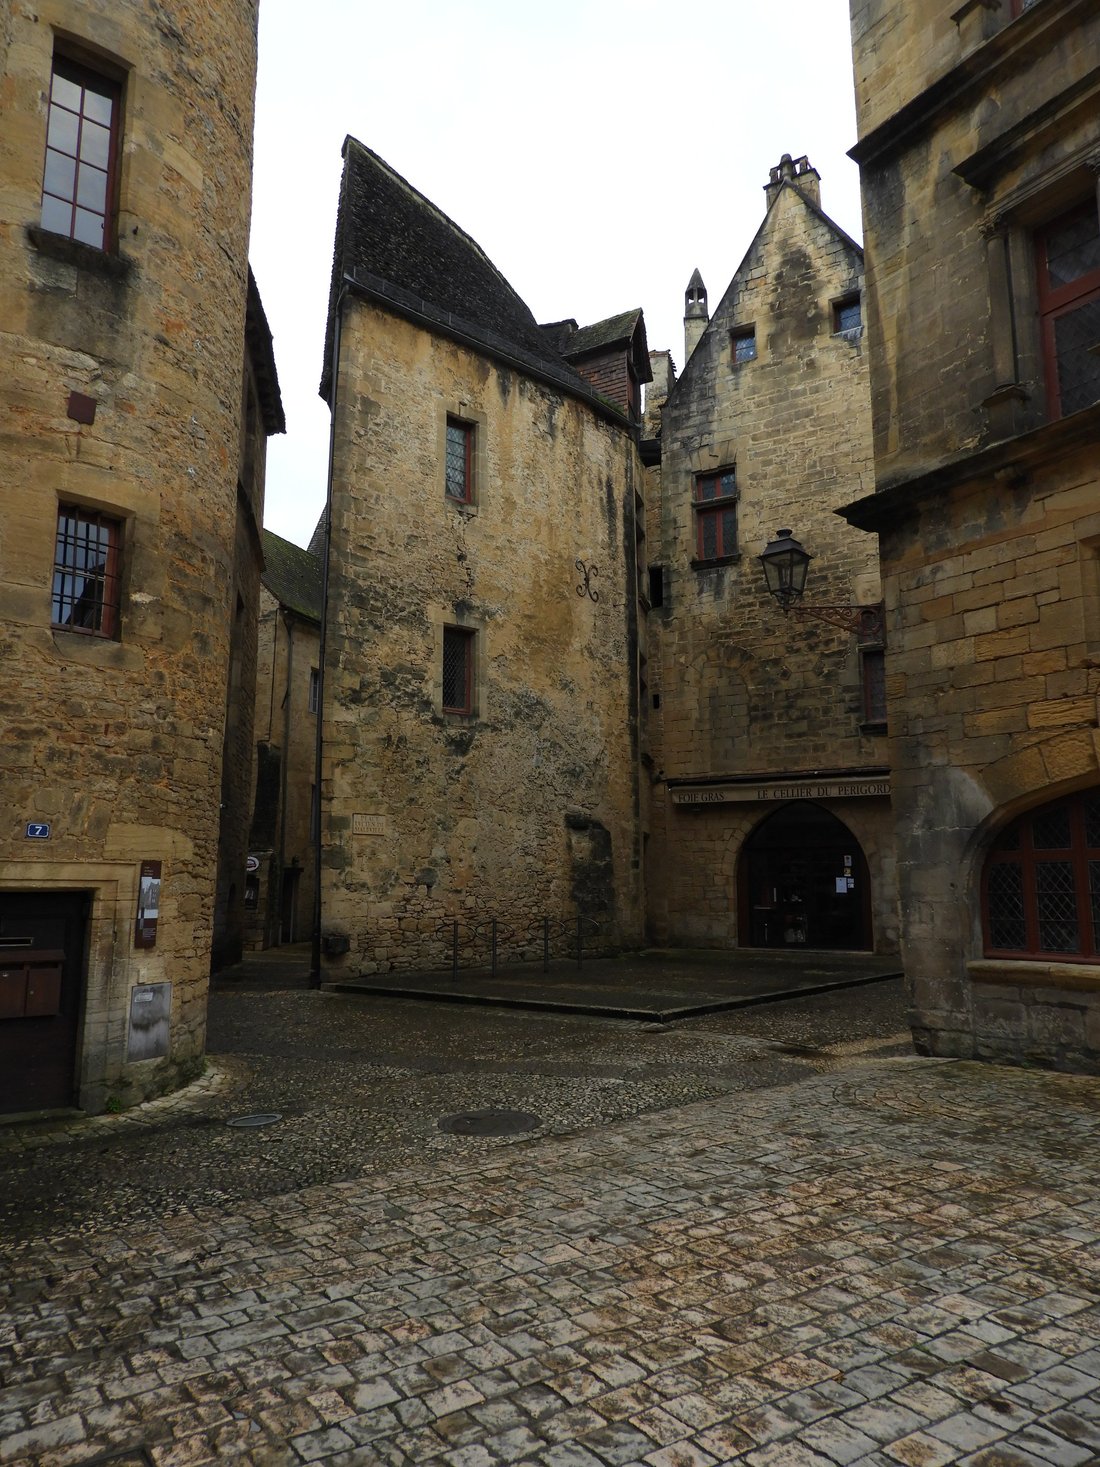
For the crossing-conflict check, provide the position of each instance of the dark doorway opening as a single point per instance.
(42, 954)
(288, 905)
(803, 883)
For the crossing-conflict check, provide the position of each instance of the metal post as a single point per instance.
(454, 952)
(493, 963)
(546, 944)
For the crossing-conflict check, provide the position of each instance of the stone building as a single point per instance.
(279, 890)
(979, 148)
(481, 677)
(770, 822)
(132, 463)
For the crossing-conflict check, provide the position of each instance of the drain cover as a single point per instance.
(489, 1123)
(261, 1118)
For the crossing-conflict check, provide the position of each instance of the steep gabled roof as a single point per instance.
(406, 252)
(293, 576)
(261, 351)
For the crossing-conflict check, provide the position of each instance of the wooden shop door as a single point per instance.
(42, 947)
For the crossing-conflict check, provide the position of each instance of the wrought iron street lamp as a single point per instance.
(785, 563)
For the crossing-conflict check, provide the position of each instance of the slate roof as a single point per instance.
(626, 330)
(293, 576)
(261, 351)
(404, 251)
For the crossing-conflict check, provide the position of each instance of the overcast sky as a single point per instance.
(597, 150)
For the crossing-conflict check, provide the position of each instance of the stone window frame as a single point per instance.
(449, 619)
(108, 621)
(844, 303)
(743, 345)
(715, 508)
(1054, 302)
(1011, 228)
(460, 413)
(1014, 845)
(73, 63)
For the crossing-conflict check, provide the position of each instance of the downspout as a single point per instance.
(284, 762)
(337, 319)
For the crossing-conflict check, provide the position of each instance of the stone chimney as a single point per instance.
(794, 170)
(696, 315)
(663, 369)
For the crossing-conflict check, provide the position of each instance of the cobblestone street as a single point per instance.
(869, 1261)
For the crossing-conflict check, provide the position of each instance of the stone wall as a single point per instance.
(745, 691)
(116, 742)
(989, 505)
(529, 806)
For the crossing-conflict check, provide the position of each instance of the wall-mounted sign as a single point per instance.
(37, 830)
(368, 825)
(148, 912)
(810, 789)
(150, 1020)
(252, 863)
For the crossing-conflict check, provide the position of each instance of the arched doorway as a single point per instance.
(803, 883)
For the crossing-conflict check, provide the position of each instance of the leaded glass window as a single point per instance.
(1069, 304)
(459, 467)
(1041, 887)
(458, 670)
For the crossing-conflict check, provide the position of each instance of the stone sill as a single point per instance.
(82, 256)
(716, 561)
(1020, 973)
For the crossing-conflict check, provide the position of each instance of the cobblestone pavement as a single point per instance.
(893, 1263)
(361, 1084)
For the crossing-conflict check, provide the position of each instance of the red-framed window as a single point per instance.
(459, 475)
(458, 670)
(1068, 256)
(78, 179)
(872, 673)
(715, 505)
(87, 581)
(743, 344)
(1041, 883)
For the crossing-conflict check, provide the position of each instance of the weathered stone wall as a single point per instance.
(744, 690)
(993, 687)
(990, 514)
(939, 246)
(117, 743)
(529, 807)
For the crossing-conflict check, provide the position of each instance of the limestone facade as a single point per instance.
(979, 136)
(124, 343)
(481, 754)
(753, 714)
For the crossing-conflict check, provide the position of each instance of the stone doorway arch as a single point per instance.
(803, 882)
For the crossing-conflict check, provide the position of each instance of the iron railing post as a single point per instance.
(546, 944)
(493, 961)
(454, 952)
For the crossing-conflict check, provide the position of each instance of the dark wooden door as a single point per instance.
(42, 947)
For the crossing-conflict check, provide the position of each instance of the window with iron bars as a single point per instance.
(87, 584)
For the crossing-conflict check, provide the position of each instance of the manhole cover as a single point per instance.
(261, 1118)
(489, 1123)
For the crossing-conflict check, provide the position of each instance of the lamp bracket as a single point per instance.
(867, 623)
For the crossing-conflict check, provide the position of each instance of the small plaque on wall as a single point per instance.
(150, 1021)
(368, 825)
(148, 912)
